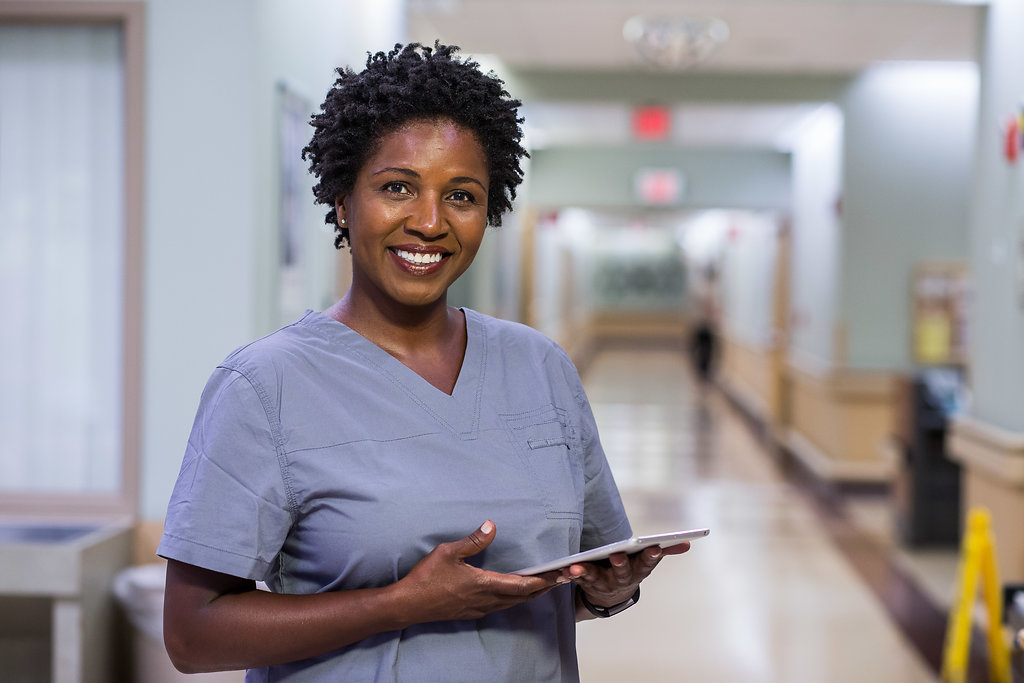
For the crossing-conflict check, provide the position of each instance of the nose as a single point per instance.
(425, 218)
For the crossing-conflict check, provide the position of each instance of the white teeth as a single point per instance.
(418, 257)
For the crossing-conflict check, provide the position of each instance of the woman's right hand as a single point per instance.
(442, 586)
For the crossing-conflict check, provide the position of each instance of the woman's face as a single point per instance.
(417, 213)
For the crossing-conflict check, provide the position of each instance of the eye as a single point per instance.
(462, 196)
(395, 187)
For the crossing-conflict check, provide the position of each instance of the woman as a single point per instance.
(344, 458)
(704, 338)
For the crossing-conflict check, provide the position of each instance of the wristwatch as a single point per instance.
(605, 612)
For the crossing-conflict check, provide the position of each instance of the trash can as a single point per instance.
(927, 485)
(1015, 619)
(140, 592)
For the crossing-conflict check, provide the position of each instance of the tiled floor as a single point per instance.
(771, 595)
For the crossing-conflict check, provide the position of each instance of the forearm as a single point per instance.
(252, 628)
(215, 621)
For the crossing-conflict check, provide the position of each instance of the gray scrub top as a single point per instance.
(319, 462)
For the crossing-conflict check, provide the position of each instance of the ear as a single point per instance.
(339, 210)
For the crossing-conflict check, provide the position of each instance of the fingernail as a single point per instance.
(562, 579)
(656, 554)
(487, 527)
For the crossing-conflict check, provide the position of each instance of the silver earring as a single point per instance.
(343, 221)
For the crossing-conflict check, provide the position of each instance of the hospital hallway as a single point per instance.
(791, 586)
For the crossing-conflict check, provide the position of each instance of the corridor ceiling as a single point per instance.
(778, 36)
(766, 37)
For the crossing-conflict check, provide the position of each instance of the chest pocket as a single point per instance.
(550, 451)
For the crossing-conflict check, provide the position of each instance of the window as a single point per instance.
(70, 159)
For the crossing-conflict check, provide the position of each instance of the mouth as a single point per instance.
(419, 258)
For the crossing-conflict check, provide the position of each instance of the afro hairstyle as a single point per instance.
(410, 83)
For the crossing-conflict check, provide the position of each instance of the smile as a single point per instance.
(418, 257)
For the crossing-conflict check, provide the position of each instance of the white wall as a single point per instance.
(301, 44)
(997, 230)
(550, 279)
(815, 263)
(210, 263)
(747, 277)
(200, 216)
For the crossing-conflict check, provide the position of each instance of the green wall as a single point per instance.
(604, 176)
(908, 159)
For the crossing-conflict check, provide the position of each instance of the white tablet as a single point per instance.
(628, 546)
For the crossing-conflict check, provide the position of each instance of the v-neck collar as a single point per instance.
(458, 412)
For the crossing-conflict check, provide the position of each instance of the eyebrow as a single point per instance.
(413, 174)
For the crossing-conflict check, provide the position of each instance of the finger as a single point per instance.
(677, 549)
(646, 561)
(577, 571)
(555, 576)
(515, 586)
(475, 542)
(542, 591)
(622, 570)
(533, 589)
(588, 575)
(650, 557)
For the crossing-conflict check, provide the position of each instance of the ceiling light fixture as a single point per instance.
(675, 43)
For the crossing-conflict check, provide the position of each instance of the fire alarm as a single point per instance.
(1012, 140)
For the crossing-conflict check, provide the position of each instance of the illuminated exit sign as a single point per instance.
(659, 186)
(651, 122)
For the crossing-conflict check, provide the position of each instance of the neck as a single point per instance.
(395, 327)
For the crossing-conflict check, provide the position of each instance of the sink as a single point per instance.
(55, 558)
(70, 566)
(40, 533)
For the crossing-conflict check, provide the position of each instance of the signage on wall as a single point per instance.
(659, 186)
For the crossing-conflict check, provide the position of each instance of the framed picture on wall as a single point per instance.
(939, 316)
(294, 198)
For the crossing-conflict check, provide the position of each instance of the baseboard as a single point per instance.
(995, 451)
(880, 472)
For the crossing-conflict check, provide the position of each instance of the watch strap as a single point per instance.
(605, 612)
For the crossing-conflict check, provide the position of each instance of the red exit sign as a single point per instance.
(652, 122)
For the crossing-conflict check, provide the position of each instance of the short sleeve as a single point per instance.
(230, 509)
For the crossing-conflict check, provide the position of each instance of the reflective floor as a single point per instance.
(779, 591)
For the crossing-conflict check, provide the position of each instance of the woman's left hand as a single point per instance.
(606, 586)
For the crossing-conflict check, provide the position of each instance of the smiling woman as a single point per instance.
(349, 459)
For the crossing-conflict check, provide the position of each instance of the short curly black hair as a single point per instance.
(410, 83)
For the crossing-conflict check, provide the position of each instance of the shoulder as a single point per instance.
(516, 338)
(523, 352)
(296, 345)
